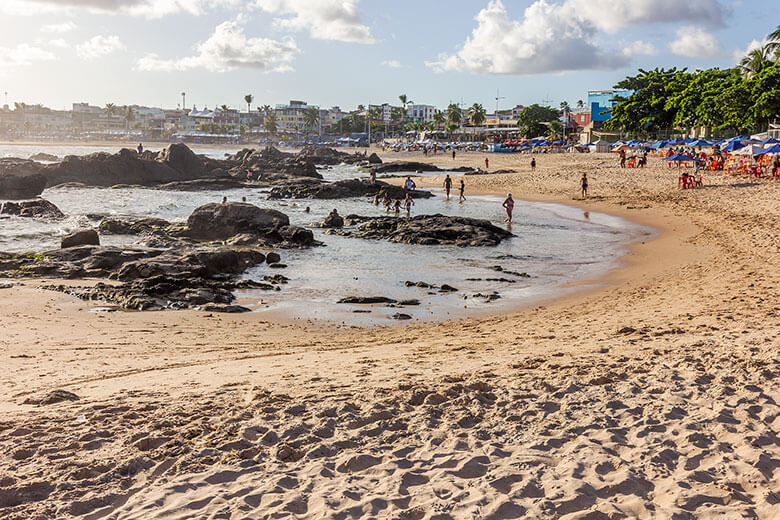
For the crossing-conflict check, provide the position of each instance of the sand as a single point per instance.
(653, 396)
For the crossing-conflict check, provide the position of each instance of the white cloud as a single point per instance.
(613, 15)
(147, 8)
(229, 48)
(640, 47)
(547, 39)
(59, 27)
(338, 20)
(695, 42)
(59, 43)
(99, 46)
(393, 64)
(22, 55)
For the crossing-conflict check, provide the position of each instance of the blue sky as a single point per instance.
(350, 52)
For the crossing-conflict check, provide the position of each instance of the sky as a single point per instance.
(351, 52)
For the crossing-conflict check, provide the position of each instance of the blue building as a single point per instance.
(600, 103)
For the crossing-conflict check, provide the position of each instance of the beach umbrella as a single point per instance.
(679, 157)
(732, 146)
(700, 142)
(753, 149)
(771, 140)
(772, 149)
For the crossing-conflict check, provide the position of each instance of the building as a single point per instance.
(420, 113)
(290, 118)
(600, 103)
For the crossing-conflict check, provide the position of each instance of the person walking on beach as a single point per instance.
(487, 164)
(533, 164)
(584, 185)
(509, 205)
(447, 185)
(453, 155)
(408, 203)
(462, 189)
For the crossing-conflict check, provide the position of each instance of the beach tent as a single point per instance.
(771, 140)
(753, 149)
(732, 146)
(601, 146)
(657, 145)
(700, 142)
(623, 147)
(772, 149)
(679, 157)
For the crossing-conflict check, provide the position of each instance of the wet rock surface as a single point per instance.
(43, 156)
(427, 230)
(34, 208)
(222, 221)
(83, 237)
(21, 179)
(313, 189)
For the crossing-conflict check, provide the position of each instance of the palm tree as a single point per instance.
(265, 109)
(361, 108)
(565, 106)
(224, 108)
(311, 118)
(129, 114)
(476, 114)
(454, 114)
(270, 122)
(450, 127)
(111, 109)
(755, 61)
(580, 104)
(248, 98)
(405, 101)
(773, 42)
(438, 118)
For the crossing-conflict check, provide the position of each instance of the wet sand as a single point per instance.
(652, 397)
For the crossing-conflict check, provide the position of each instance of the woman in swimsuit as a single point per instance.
(509, 204)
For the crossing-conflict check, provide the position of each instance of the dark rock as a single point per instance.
(122, 168)
(409, 303)
(36, 208)
(221, 307)
(53, 397)
(84, 237)
(43, 156)
(424, 285)
(20, 179)
(406, 166)
(429, 230)
(313, 189)
(222, 221)
(401, 316)
(277, 265)
(329, 156)
(146, 226)
(333, 220)
(273, 258)
(374, 159)
(229, 183)
(366, 300)
(179, 157)
(447, 288)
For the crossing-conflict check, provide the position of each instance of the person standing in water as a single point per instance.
(584, 185)
(462, 189)
(447, 185)
(408, 203)
(509, 205)
(373, 175)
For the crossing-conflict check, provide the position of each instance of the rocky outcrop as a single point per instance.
(234, 223)
(333, 220)
(20, 179)
(406, 166)
(312, 189)
(330, 156)
(125, 167)
(35, 208)
(428, 230)
(43, 156)
(179, 157)
(374, 159)
(222, 221)
(83, 237)
(150, 279)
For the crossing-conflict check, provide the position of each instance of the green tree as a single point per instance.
(405, 101)
(450, 128)
(248, 99)
(773, 42)
(532, 119)
(454, 114)
(439, 118)
(269, 122)
(565, 106)
(645, 111)
(756, 60)
(111, 109)
(311, 118)
(580, 104)
(476, 114)
(129, 114)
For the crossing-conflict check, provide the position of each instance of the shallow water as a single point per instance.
(555, 244)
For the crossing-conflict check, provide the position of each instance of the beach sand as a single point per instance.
(653, 396)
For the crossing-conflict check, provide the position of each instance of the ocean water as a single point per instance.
(558, 246)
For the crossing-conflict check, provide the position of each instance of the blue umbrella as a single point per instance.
(679, 157)
(657, 145)
(700, 142)
(772, 149)
(771, 140)
(733, 146)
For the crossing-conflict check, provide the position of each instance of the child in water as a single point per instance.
(408, 203)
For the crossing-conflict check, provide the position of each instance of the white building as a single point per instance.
(421, 113)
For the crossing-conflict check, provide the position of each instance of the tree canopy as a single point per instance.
(531, 120)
